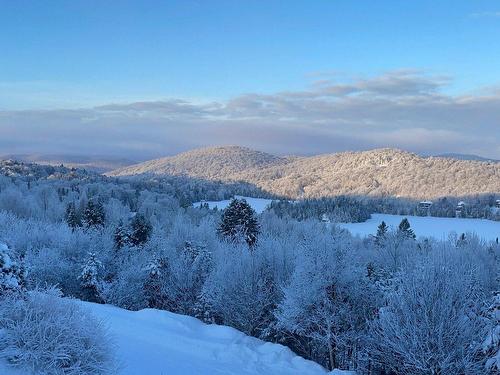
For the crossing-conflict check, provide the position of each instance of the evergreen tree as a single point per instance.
(140, 230)
(11, 275)
(153, 290)
(121, 236)
(239, 222)
(381, 233)
(405, 230)
(462, 240)
(93, 215)
(89, 278)
(71, 216)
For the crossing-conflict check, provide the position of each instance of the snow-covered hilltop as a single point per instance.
(382, 172)
(210, 163)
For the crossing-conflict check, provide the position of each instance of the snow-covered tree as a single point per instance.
(432, 322)
(405, 230)
(11, 274)
(491, 345)
(120, 235)
(328, 301)
(242, 290)
(71, 216)
(90, 278)
(93, 215)
(381, 233)
(462, 240)
(157, 269)
(239, 222)
(140, 230)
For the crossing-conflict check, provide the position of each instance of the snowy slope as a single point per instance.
(258, 204)
(159, 342)
(437, 227)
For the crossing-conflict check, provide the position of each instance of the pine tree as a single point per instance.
(93, 215)
(11, 275)
(121, 236)
(71, 216)
(141, 230)
(405, 230)
(381, 233)
(239, 222)
(153, 291)
(89, 278)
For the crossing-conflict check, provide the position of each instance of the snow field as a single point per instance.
(426, 226)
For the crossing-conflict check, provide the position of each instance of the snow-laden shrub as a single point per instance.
(327, 303)
(43, 334)
(491, 345)
(126, 289)
(242, 290)
(90, 278)
(11, 275)
(432, 322)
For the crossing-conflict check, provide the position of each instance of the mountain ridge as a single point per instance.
(466, 157)
(381, 172)
(95, 163)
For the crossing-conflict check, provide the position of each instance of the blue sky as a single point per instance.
(136, 50)
(83, 54)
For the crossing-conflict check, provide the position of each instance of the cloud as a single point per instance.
(406, 109)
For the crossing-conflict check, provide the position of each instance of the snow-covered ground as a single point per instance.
(425, 226)
(437, 227)
(159, 342)
(258, 204)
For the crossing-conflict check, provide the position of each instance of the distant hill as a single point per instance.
(30, 171)
(99, 164)
(466, 157)
(381, 172)
(210, 163)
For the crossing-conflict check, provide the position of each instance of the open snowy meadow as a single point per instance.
(258, 204)
(439, 228)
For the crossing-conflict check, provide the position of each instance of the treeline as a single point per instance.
(339, 209)
(352, 209)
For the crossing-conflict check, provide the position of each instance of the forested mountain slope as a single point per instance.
(381, 172)
(211, 163)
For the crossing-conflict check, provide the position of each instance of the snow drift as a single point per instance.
(159, 342)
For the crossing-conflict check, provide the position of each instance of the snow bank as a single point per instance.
(437, 227)
(258, 204)
(159, 342)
